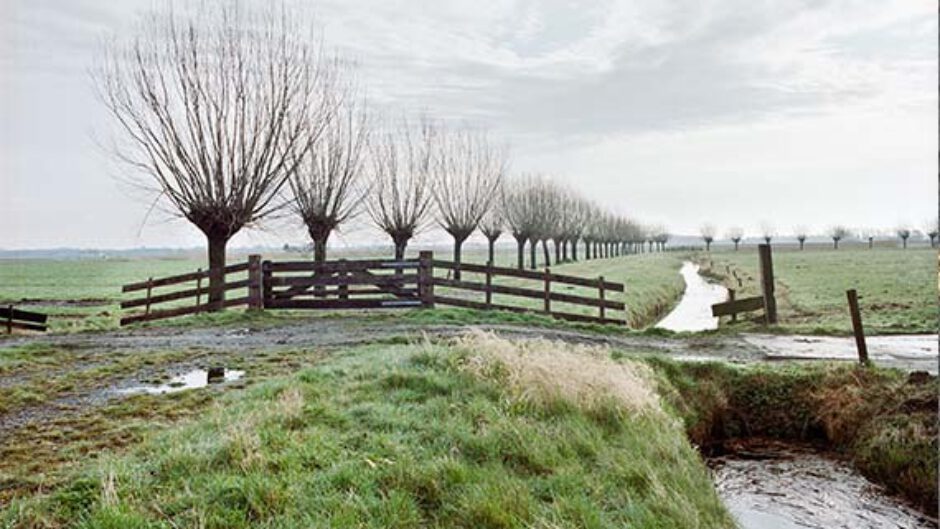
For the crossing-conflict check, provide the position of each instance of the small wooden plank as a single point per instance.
(25, 326)
(22, 315)
(180, 311)
(182, 294)
(530, 274)
(738, 305)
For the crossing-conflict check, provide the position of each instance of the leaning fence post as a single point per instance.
(547, 296)
(857, 328)
(767, 283)
(255, 285)
(426, 278)
(600, 293)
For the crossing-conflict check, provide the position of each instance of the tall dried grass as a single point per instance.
(544, 371)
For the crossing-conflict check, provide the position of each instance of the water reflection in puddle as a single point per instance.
(776, 487)
(197, 378)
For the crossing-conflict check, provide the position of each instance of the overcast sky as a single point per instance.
(685, 112)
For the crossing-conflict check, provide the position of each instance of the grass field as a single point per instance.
(897, 288)
(84, 294)
(476, 434)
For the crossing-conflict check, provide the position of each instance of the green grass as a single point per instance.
(391, 436)
(897, 288)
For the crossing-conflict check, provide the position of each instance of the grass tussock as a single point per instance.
(544, 372)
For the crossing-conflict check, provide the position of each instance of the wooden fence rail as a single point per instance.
(12, 318)
(375, 283)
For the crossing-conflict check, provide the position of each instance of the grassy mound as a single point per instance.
(884, 422)
(479, 433)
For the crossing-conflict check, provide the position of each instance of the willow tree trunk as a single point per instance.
(532, 246)
(564, 251)
(545, 252)
(217, 272)
(557, 251)
(574, 250)
(802, 242)
(587, 250)
(835, 244)
(520, 251)
(490, 251)
(458, 248)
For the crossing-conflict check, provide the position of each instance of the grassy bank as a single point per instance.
(898, 288)
(884, 423)
(481, 433)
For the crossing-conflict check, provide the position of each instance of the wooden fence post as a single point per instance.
(857, 328)
(600, 293)
(266, 291)
(548, 291)
(734, 315)
(255, 283)
(149, 290)
(489, 284)
(343, 288)
(426, 278)
(198, 286)
(767, 283)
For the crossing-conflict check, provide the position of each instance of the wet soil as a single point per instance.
(772, 485)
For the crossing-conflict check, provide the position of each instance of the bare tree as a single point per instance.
(327, 188)
(800, 233)
(736, 234)
(492, 226)
(837, 233)
(707, 232)
(767, 231)
(400, 198)
(904, 233)
(216, 108)
(520, 212)
(466, 174)
(932, 231)
(869, 235)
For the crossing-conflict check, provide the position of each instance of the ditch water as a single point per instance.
(694, 311)
(771, 485)
(197, 378)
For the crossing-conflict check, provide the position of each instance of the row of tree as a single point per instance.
(232, 115)
(836, 233)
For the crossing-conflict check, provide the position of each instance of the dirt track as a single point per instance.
(214, 344)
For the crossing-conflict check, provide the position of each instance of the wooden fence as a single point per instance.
(379, 283)
(543, 291)
(22, 319)
(191, 300)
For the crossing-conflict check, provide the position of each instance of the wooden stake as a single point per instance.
(548, 291)
(857, 328)
(149, 290)
(600, 294)
(767, 283)
(489, 284)
(734, 315)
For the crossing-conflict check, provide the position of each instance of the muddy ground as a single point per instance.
(221, 345)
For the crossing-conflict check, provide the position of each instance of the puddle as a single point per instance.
(911, 352)
(197, 378)
(777, 486)
(694, 311)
